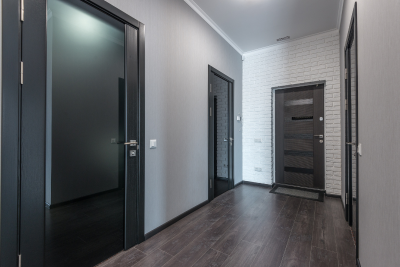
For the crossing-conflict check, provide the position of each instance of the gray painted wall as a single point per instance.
(179, 47)
(379, 128)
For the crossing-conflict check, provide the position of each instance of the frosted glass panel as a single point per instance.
(85, 121)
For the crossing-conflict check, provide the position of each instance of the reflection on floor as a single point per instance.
(248, 226)
(85, 232)
(220, 186)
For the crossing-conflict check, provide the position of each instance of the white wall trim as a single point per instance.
(340, 12)
(203, 14)
(263, 49)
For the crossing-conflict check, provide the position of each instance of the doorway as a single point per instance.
(299, 135)
(79, 123)
(351, 127)
(220, 91)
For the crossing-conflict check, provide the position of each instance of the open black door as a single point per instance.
(79, 123)
(220, 142)
(351, 127)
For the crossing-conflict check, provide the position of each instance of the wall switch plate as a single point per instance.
(238, 118)
(257, 140)
(359, 149)
(153, 144)
(257, 169)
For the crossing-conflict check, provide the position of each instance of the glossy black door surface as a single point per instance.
(351, 126)
(85, 135)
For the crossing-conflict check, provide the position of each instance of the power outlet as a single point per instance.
(257, 140)
(257, 169)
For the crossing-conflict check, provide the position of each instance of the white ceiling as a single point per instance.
(254, 24)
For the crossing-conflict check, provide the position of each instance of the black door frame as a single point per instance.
(276, 154)
(352, 39)
(211, 164)
(23, 133)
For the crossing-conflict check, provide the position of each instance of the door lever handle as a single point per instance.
(131, 143)
(319, 135)
(350, 143)
(225, 140)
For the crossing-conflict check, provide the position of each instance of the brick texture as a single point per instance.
(306, 60)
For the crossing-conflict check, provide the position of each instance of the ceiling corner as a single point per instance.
(202, 14)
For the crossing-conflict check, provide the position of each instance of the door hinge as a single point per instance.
(19, 260)
(345, 104)
(210, 112)
(22, 10)
(22, 72)
(345, 74)
(210, 88)
(210, 183)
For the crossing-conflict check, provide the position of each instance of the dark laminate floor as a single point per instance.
(248, 226)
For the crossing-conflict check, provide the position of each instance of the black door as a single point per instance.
(299, 136)
(220, 133)
(351, 127)
(81, 120)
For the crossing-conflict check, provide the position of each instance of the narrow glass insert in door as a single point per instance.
(85, 169)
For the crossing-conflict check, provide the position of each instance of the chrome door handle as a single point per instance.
(231, 139)
(350, 143)
(225, 140)
(319, 135)
(131, 143)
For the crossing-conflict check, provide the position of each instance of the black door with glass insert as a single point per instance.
(81, 195)
(299, 136)
(220, 133)
(85, 173)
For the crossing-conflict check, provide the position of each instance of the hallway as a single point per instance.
(248, 226)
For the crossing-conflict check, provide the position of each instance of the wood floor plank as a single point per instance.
(298, 248)
(243, 255)
(212, 258)
(290, 209)
(189, 255)
(346, 249)
(307, 207)
(323, 258)
(271, 254)
(217, 230)
(154, 259)
(324, 233)
(167, 234)
(177, 243)
(232, 237)
(124, 259)
(337, 214)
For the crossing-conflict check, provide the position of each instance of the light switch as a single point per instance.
(238, 118)
(153, 144)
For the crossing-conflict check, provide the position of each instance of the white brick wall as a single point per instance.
(306, 60)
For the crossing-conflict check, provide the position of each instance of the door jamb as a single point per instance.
(231, 84)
